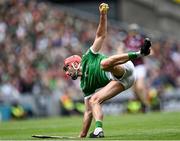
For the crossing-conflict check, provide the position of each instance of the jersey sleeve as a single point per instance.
(90, 51)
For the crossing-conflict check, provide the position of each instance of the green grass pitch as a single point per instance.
(152, 126)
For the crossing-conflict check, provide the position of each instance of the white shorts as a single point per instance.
(140, 71)
(128, 78)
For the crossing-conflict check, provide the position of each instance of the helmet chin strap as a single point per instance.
(75, 75)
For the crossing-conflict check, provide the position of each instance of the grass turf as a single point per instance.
(153, 126)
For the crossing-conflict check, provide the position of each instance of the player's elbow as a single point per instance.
(101, 35)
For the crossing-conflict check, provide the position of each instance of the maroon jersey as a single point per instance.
(133, 43)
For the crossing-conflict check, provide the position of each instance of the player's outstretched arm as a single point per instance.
(102, 28)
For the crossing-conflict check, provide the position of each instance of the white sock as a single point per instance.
(97, 130)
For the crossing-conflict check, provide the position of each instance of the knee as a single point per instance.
(94, 100)
(105, 65)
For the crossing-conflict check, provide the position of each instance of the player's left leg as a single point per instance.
(109, 63)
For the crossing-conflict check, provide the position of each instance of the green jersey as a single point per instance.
(93, 77)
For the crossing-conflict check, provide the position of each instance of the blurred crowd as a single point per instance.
(36, 37)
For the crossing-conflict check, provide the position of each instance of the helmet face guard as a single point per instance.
(70, 62)
(74, 76)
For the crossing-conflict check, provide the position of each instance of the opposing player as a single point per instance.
(132, 42)
(102, 77)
